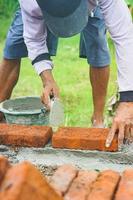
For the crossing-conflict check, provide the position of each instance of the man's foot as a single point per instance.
(97, 123)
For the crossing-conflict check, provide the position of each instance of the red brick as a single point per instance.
(105, 186)
(80, 187)
(83, 138)
(125, 190)
(26, 136)
(63, 178)
(4, 166)
(25, 182)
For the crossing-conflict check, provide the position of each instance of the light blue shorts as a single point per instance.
(15, 47)
(93, 44)
(93, 41)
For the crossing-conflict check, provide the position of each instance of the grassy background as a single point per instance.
(71, 73)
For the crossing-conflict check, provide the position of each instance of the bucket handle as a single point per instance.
(3, 110)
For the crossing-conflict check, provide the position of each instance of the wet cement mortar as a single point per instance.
(48, 159)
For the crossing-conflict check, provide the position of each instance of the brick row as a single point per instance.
(23, 182)
(83, 138)
(70, 138)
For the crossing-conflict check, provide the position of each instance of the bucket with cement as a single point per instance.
(25, 110)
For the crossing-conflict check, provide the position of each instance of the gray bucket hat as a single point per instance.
(65, 18)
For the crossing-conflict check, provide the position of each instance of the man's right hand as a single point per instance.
(122, 123)
(50, 88)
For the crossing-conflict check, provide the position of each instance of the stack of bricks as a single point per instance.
(23, 182)
(69, 138)
(72, 184)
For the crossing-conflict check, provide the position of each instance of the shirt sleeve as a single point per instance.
(35, 34)
(119, 23)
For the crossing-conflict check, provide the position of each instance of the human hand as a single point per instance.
(122, 124)
(50, 88)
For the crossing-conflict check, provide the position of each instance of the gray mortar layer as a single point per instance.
(48, 159)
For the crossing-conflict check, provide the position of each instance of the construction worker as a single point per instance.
(93, 46)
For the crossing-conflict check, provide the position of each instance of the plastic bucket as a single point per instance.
(25, 110)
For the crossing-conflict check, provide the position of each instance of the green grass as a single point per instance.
(72, 75)
(3, 28)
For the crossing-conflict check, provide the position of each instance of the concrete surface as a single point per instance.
(47, 159)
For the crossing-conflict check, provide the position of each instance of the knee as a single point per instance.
(11, 64)
(10, 69)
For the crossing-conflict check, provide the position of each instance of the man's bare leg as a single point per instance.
(9, 74)
(99, 78)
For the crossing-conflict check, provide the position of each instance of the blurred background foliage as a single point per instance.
(129, 2)
(7, 7)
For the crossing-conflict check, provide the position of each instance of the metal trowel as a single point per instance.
(56, 117)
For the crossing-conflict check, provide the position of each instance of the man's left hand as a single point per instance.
(122, 124)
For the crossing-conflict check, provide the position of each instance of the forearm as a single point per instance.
(47, 77)
(119, 24)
